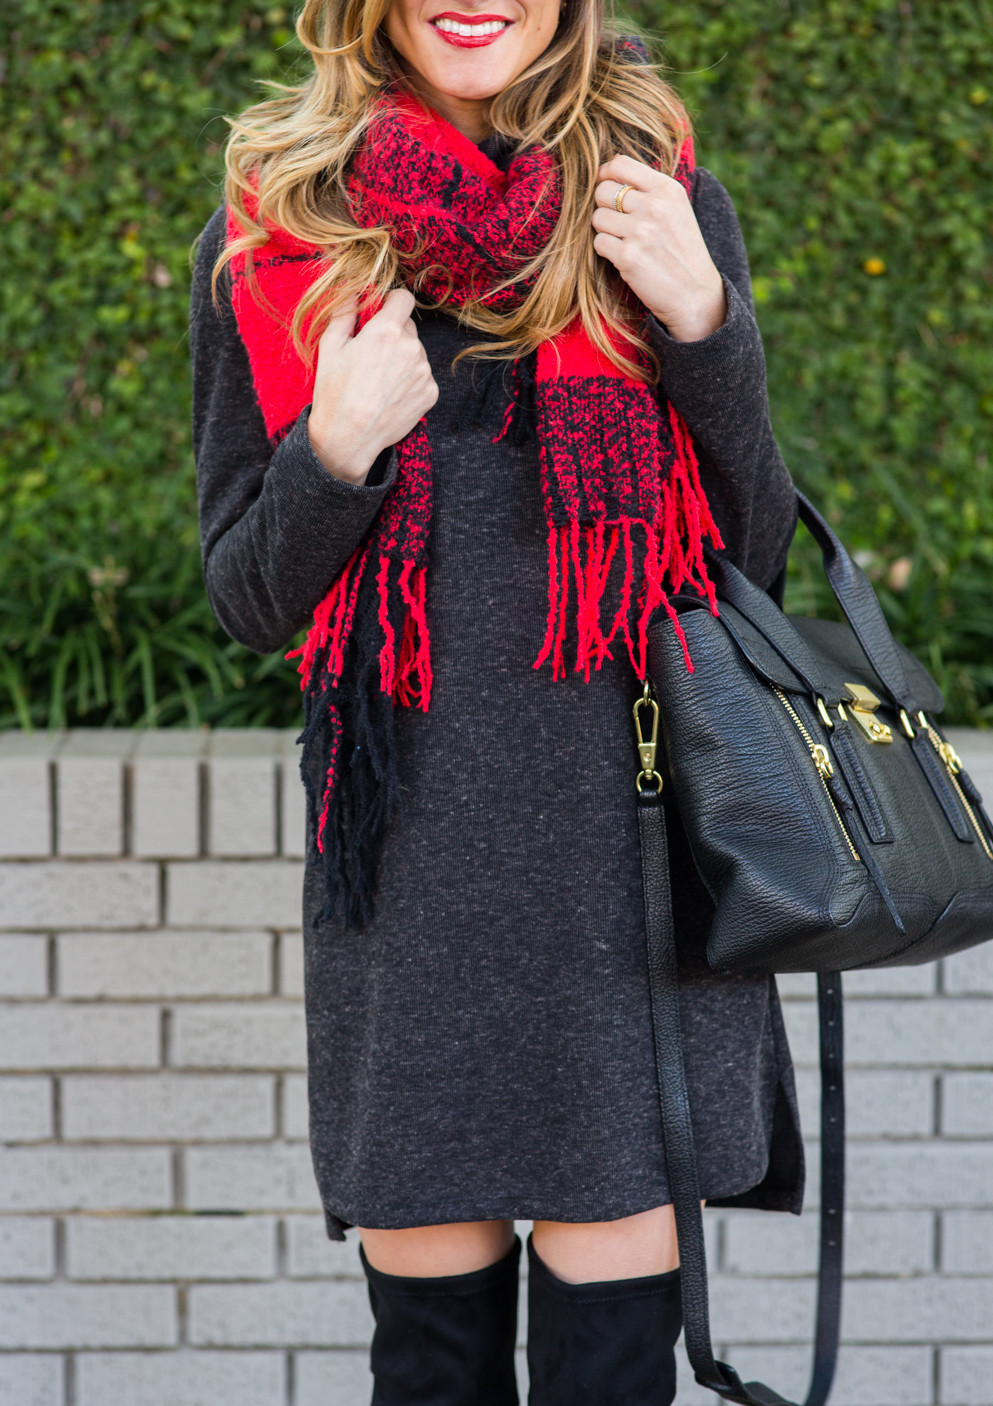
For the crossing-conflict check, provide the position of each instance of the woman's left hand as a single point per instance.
(655, 244)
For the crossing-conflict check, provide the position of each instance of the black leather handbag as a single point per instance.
(834, 828)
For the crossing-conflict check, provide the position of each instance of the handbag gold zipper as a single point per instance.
(953, 765)
(823, 764)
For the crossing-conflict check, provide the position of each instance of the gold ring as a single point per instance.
(619, 199)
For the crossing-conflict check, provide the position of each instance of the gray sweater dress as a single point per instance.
(482, 1049)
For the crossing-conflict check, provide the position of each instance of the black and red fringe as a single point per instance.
(644, 477)
(351, 683)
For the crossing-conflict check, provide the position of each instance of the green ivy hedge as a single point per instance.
(854, 137)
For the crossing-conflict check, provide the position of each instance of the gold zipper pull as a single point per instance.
(950, 757)
(822, 760)
(945, 750)
(954, 767)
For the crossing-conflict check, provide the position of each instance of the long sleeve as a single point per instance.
(718, 385)
(275, 527)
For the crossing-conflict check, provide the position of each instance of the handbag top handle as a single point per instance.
(858, 602)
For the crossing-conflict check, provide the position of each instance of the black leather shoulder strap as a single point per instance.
(680, 1157)
(853, 592)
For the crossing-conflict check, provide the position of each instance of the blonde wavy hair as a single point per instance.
(583, 98)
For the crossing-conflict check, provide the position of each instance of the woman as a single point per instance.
(485, 389)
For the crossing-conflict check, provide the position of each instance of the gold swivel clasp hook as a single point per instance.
(647, 736)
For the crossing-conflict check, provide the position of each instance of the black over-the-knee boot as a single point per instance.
(445, 1340)
(608, 1343)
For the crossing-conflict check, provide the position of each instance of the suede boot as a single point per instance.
(445, 1340)
(608, 1343)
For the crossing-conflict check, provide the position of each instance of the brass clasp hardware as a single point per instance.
(863, 704)
(825, 716)
(647, 742)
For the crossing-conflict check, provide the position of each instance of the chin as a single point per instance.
(469, 87)
(469, 76)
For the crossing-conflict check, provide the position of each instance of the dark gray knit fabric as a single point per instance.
(483, 1048)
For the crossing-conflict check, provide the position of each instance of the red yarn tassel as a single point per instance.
(414, 676)
(548, 644)
(702, 524)
(592, 643)
(672, 557)
(623, 617)
(582, 607)
(567, 545)
(332, 626)
(387, 654)
(332, 620)
(331, 777)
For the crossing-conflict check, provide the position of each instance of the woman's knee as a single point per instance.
(628, 1248)
(424, 1251)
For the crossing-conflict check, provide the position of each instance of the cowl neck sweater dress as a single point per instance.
(482, 1049)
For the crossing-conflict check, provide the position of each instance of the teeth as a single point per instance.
(474, 31)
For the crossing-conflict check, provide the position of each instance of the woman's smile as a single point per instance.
(433, 50)
(469, 31)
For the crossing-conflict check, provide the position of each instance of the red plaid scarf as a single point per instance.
(618, 470)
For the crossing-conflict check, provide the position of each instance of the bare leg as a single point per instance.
(582, 1253)
(434, 1250)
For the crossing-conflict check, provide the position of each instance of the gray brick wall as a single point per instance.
(160, 1233)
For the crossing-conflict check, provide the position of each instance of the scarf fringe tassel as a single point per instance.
(404, 673)
(580, 557)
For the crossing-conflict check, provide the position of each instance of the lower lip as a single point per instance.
(468, 41)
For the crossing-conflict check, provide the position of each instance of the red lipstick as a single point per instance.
(469, 41)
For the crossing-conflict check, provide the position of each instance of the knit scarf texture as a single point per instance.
(627, 517)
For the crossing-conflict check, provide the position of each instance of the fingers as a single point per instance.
(606, 218)
(606, 193)
(397, 306)
(625, 170)
(609, 246)
(393, 316)
(341, 326)
(394, 334)
(644, 180)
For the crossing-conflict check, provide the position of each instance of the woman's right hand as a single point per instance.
(370, 389)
